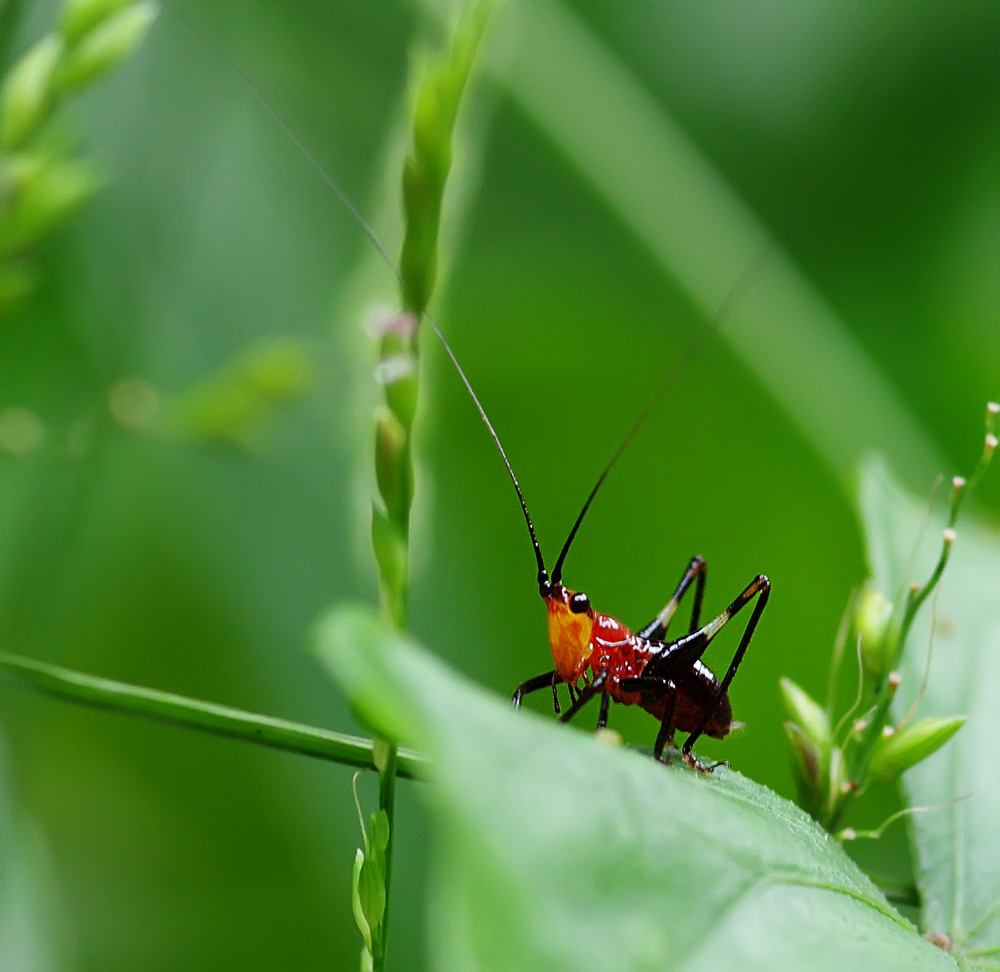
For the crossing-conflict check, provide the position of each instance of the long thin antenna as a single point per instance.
(543, 576)
(289, 133)
(369, 231)
(743, 282)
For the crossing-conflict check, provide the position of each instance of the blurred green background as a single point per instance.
(865, 137)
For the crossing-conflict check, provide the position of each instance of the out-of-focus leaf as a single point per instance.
(27, 92)
(684, 211)
(235, 405)
(29, 926)
(957, 855)
(555, 852)
(81, 16)
(106, 45)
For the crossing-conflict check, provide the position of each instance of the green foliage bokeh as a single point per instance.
(863, 137)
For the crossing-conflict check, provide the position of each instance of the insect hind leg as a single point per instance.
(760, 588)
(684, 652)
(697, 573)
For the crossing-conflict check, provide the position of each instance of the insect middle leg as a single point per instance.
(584, 695)
(759, 587)
(666, 733)
(697, 573)
(597, 686)
(602, 719)
(648, 685)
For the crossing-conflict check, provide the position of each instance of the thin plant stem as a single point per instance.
(835, 735)
(436, 98)
(388, 771)
(219, 720)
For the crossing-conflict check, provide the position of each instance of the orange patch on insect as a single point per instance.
(570, 639)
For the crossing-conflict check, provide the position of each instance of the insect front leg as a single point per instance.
(697, 573)
(545, 680)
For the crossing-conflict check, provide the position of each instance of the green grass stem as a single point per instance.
(219, 720)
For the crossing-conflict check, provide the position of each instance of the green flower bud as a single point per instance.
(837, 784)
(398, 375)
(418, 260)
(872, 621)
(81, 16)
(808, 714)
(26, 93)
(371, 892)
(378, 832)
(393, 469)
(107, 45)
(910, 745)
(391, 556)
(807, 767)
(356, 906)
(433, 118)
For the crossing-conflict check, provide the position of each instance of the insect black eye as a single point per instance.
(579, 603)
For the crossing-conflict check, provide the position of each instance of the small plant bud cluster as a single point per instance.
(835, 759)
(40, 184)
(437, 93)
(368, 885)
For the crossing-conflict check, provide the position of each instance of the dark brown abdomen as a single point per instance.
(696, 689)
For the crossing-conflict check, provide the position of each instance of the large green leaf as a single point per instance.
(956, 850)
(555, 851)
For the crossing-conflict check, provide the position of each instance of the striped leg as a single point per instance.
(697, 570)
(761, 586)
(684, 652)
